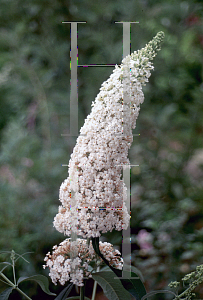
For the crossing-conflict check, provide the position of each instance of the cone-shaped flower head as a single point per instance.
(64, 268)
(93, 196)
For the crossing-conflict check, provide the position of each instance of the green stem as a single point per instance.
(95, 286)
(82, 292)
(14, 286)
(20, 291)
(94, 290)
(9, 282)
(14, 275)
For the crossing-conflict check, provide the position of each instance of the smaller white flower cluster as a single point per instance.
(63, 267)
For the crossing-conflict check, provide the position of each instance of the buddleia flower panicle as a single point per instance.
(63, 267)
(101, 150)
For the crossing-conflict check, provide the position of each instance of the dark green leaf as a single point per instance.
(41, 280)
(95, 244)
(137, 272)
(112, 287)
(3, 269)
(65, 292)
(5, 252)
(132, 284)
(8, 264)
(6, 293)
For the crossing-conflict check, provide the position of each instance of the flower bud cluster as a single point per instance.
(63, 267)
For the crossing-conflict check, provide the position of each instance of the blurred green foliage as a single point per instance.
(167, 190)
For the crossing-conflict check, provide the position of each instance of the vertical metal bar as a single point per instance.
(126, 39)
(74, 79)
(73, 90)
(126, 81)
(126, 241)
(126, 131)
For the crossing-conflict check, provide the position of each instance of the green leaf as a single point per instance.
(8, 264)
(95, 244)
(6, 293)
(65, 292)
(41, 280)
(133, 268)
(5, 252)
(21, 256)
(112, 287)
(137, 272)
(105, 268)
(132, 284)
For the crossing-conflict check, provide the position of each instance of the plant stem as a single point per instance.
(20, 291)
(95, 286)
(94, 290)
(14, 286)
(9, 282)
(14, 275)
(82, 293)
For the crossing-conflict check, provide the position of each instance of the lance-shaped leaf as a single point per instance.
(41, 280)
(65, 292)
(133, 269)
(132, 284)
(7, 264)
(112, 287)
(6, 293)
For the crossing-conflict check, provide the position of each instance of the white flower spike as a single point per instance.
(93, 196)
